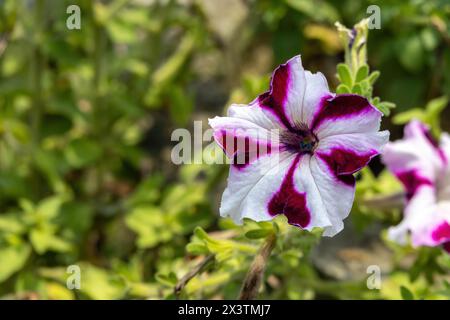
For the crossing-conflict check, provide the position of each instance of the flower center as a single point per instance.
(299, 140)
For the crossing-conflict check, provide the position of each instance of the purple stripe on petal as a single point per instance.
(288, 201)
(442, 232)
(343, 163)
(412, 181)
(241, 149)
(341, 106)
(446, 246)
(275, 99)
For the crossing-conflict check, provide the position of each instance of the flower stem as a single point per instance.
(255, 274)
(191, 274)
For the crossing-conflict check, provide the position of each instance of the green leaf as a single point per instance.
(11, 223)
(197, 248)
(342, 88)
(386, 107)
(406, 293)
(436, 106)
(150, 224)
(76, 217)
(405, 117)
(82, 152)
(12, 259)
(201, 234)
(434, 109)
(122, 32)
(258, 233)
(357, 89)
(373, 77)
(99, 284)
(344, 74)
(43, 240)
(383, 109)
(169, 280)
(362, 73)
(49, 207)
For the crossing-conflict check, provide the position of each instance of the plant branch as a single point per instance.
(255, 274)
(191, 274)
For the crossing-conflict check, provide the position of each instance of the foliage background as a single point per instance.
(85, 123)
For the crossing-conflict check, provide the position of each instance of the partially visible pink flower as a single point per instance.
(422, 165)
(319, 139)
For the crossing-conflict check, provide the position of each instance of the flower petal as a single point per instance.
(316, 91)
(255, 114)
(289, 199)
(415, 160)
(346, 154)
(287, 89)
(250, 190)
(308, 194)
(299, 186)
(428, 222)
(328, 199)
(243, 141)
(343, 114)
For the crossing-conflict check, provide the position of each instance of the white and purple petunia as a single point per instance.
(318, 141)
(422, 165)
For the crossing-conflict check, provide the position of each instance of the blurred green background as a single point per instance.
(86, 118)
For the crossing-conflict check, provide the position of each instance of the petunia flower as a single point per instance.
(422, 166)
(314, 141)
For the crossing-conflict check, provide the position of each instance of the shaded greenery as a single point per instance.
(85, 123)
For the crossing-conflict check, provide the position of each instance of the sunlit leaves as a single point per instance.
(150, 224)
(431, 114)
(13, 259)
(100, 284)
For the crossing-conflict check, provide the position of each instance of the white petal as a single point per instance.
(255, 114)
(250, 190)
(348, 153)
(316, 90)
(344, 114)
(336, 198)
(414, 153)
(426, 220)
(287, 90)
